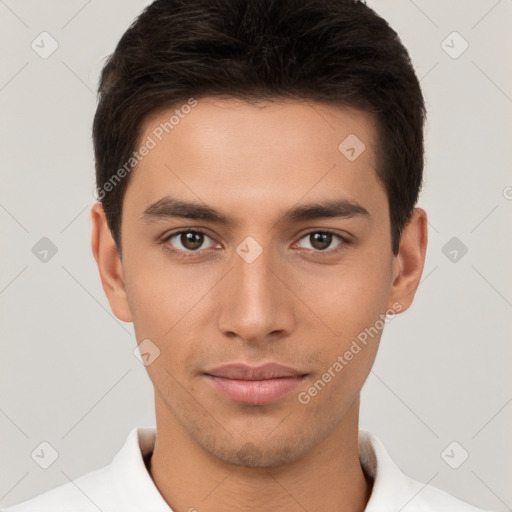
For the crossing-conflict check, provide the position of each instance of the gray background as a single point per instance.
(68, 374)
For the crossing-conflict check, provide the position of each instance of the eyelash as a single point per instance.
(315, 253)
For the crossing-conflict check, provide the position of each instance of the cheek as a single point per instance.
(159, 294)
(341, 300)
(172, 306)
(347, 298)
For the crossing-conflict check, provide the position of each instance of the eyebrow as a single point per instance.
(171, 207)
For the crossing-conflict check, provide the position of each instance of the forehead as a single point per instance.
(304, 126)
(234, 153)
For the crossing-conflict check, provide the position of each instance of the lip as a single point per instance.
(255, 385)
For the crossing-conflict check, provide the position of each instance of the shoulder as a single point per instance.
(122, 485)
(393, 490)
(80, 495)
(431, 498)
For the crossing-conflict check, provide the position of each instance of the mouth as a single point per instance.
(255, 385)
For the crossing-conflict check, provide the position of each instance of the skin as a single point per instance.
(253, 162)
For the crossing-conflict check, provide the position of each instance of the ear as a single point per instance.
(109, 264)
(408, 263)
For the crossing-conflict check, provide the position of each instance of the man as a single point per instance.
(258, 166)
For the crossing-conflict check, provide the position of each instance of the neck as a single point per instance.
(328, 477)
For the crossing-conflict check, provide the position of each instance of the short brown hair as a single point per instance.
(337, 51)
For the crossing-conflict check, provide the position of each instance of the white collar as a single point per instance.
(392, 490)
(126, 486)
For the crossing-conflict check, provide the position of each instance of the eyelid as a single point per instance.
(169, 236)
(345, 240)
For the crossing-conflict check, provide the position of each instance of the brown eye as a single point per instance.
(188, 241)
(320, 241)
(191, 240)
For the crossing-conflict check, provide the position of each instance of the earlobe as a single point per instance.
(109, 263)
(409, 262)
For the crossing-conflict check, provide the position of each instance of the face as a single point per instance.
(283, 256)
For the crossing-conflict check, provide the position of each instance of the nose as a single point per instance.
(256, 301)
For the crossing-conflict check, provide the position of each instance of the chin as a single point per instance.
(262, 453)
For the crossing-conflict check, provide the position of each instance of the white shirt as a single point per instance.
(125, 485)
